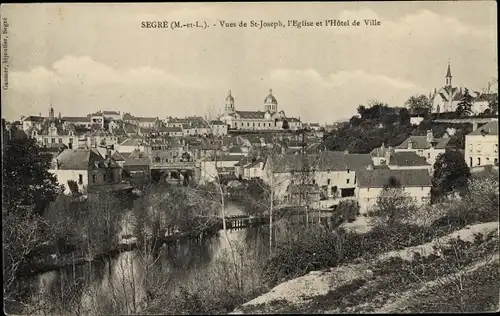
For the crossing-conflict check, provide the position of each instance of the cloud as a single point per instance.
(86, 73)
(336, 95)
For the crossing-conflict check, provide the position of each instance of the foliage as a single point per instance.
(27, 182)
(374, 125)
(451, 173)
(348, 210)
(464, 107)
(418, 102)
(393, 205)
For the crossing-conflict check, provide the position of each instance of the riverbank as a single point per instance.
(388, 282)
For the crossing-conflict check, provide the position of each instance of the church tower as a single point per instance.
(270, 103)
(229, 104)
(51, 113)
(447, 79)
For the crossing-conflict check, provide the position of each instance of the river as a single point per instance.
(121, 280)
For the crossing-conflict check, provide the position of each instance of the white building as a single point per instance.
(427, 146)
(130, 144)
(481, 146)
(86, 167)
(32, 121)
(415, 182)
(446, 99)
(253, 170)
(332, 171)
(269, 119)
(219, 128)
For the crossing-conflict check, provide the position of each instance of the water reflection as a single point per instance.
(122, 283)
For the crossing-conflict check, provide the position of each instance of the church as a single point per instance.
(269, 119)
(446, 99)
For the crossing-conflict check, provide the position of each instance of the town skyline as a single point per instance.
(82, 58)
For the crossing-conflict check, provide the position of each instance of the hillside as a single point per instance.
(457, 272)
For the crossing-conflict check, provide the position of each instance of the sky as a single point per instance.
(87, 57)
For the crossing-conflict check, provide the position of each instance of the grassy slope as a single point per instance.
(391, 284)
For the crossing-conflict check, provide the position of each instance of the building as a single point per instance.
(481, 146)
(334, 172)
(427, 146)
(446, 98)
(415, 182)
(269, 119)
(407, 160)
(86, 168)
(253, 170)
(54, 134)
(32, 121)
(218, 128)
(112, 115)
(146, 122)
(381, 155)
(130, 119)
(136, 168)
(76, 121)
(170, 131)
(129, 145)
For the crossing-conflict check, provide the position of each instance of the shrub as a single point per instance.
(348, 210)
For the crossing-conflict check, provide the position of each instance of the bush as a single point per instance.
(348, 210)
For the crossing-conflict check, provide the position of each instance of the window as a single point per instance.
(470, 147)
(368, 189)
(428, 155)
(348, 170)
(258, 124)
(60, 140)
(94, 178)
(496, 161)
(248, 124)
(470, 161)
(478, 161)
(52, 140)
(496, 148)
(104, 177)
(313, 181)
(45, 141)
(328, 181)
(478, 148)
(347, 181)
(80, 179)
(71, 140)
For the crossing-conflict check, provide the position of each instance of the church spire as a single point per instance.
(447, 79)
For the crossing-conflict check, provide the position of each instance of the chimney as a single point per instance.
(82, 143)
(430, 136)
(410, 144)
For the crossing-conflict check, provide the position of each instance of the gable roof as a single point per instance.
(34, 118)
(251, 114)
(490, 128)
(131, 142)
(407, 158)
(324, 161)
(378, 178)
(77, 119)
(420, 142)
(79, 159)
(146, 119)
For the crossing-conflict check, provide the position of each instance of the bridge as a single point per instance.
(190, 165)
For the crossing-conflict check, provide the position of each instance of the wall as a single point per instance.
(64, 175)
(367, 197)
(482, 150)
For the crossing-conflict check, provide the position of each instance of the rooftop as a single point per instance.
(490, 128)
(407, 158)
(378, 178)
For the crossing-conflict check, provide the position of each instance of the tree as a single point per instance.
(451, 173)
(418, 103)
(393, 205)
(464, 107)
(493, 104)
(27, 181)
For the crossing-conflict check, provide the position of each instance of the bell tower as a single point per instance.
(229, 108)
(270, 103)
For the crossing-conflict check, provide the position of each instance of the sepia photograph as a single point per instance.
(250, 158)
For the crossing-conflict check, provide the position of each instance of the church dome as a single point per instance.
(270, 98)
(229, 97)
